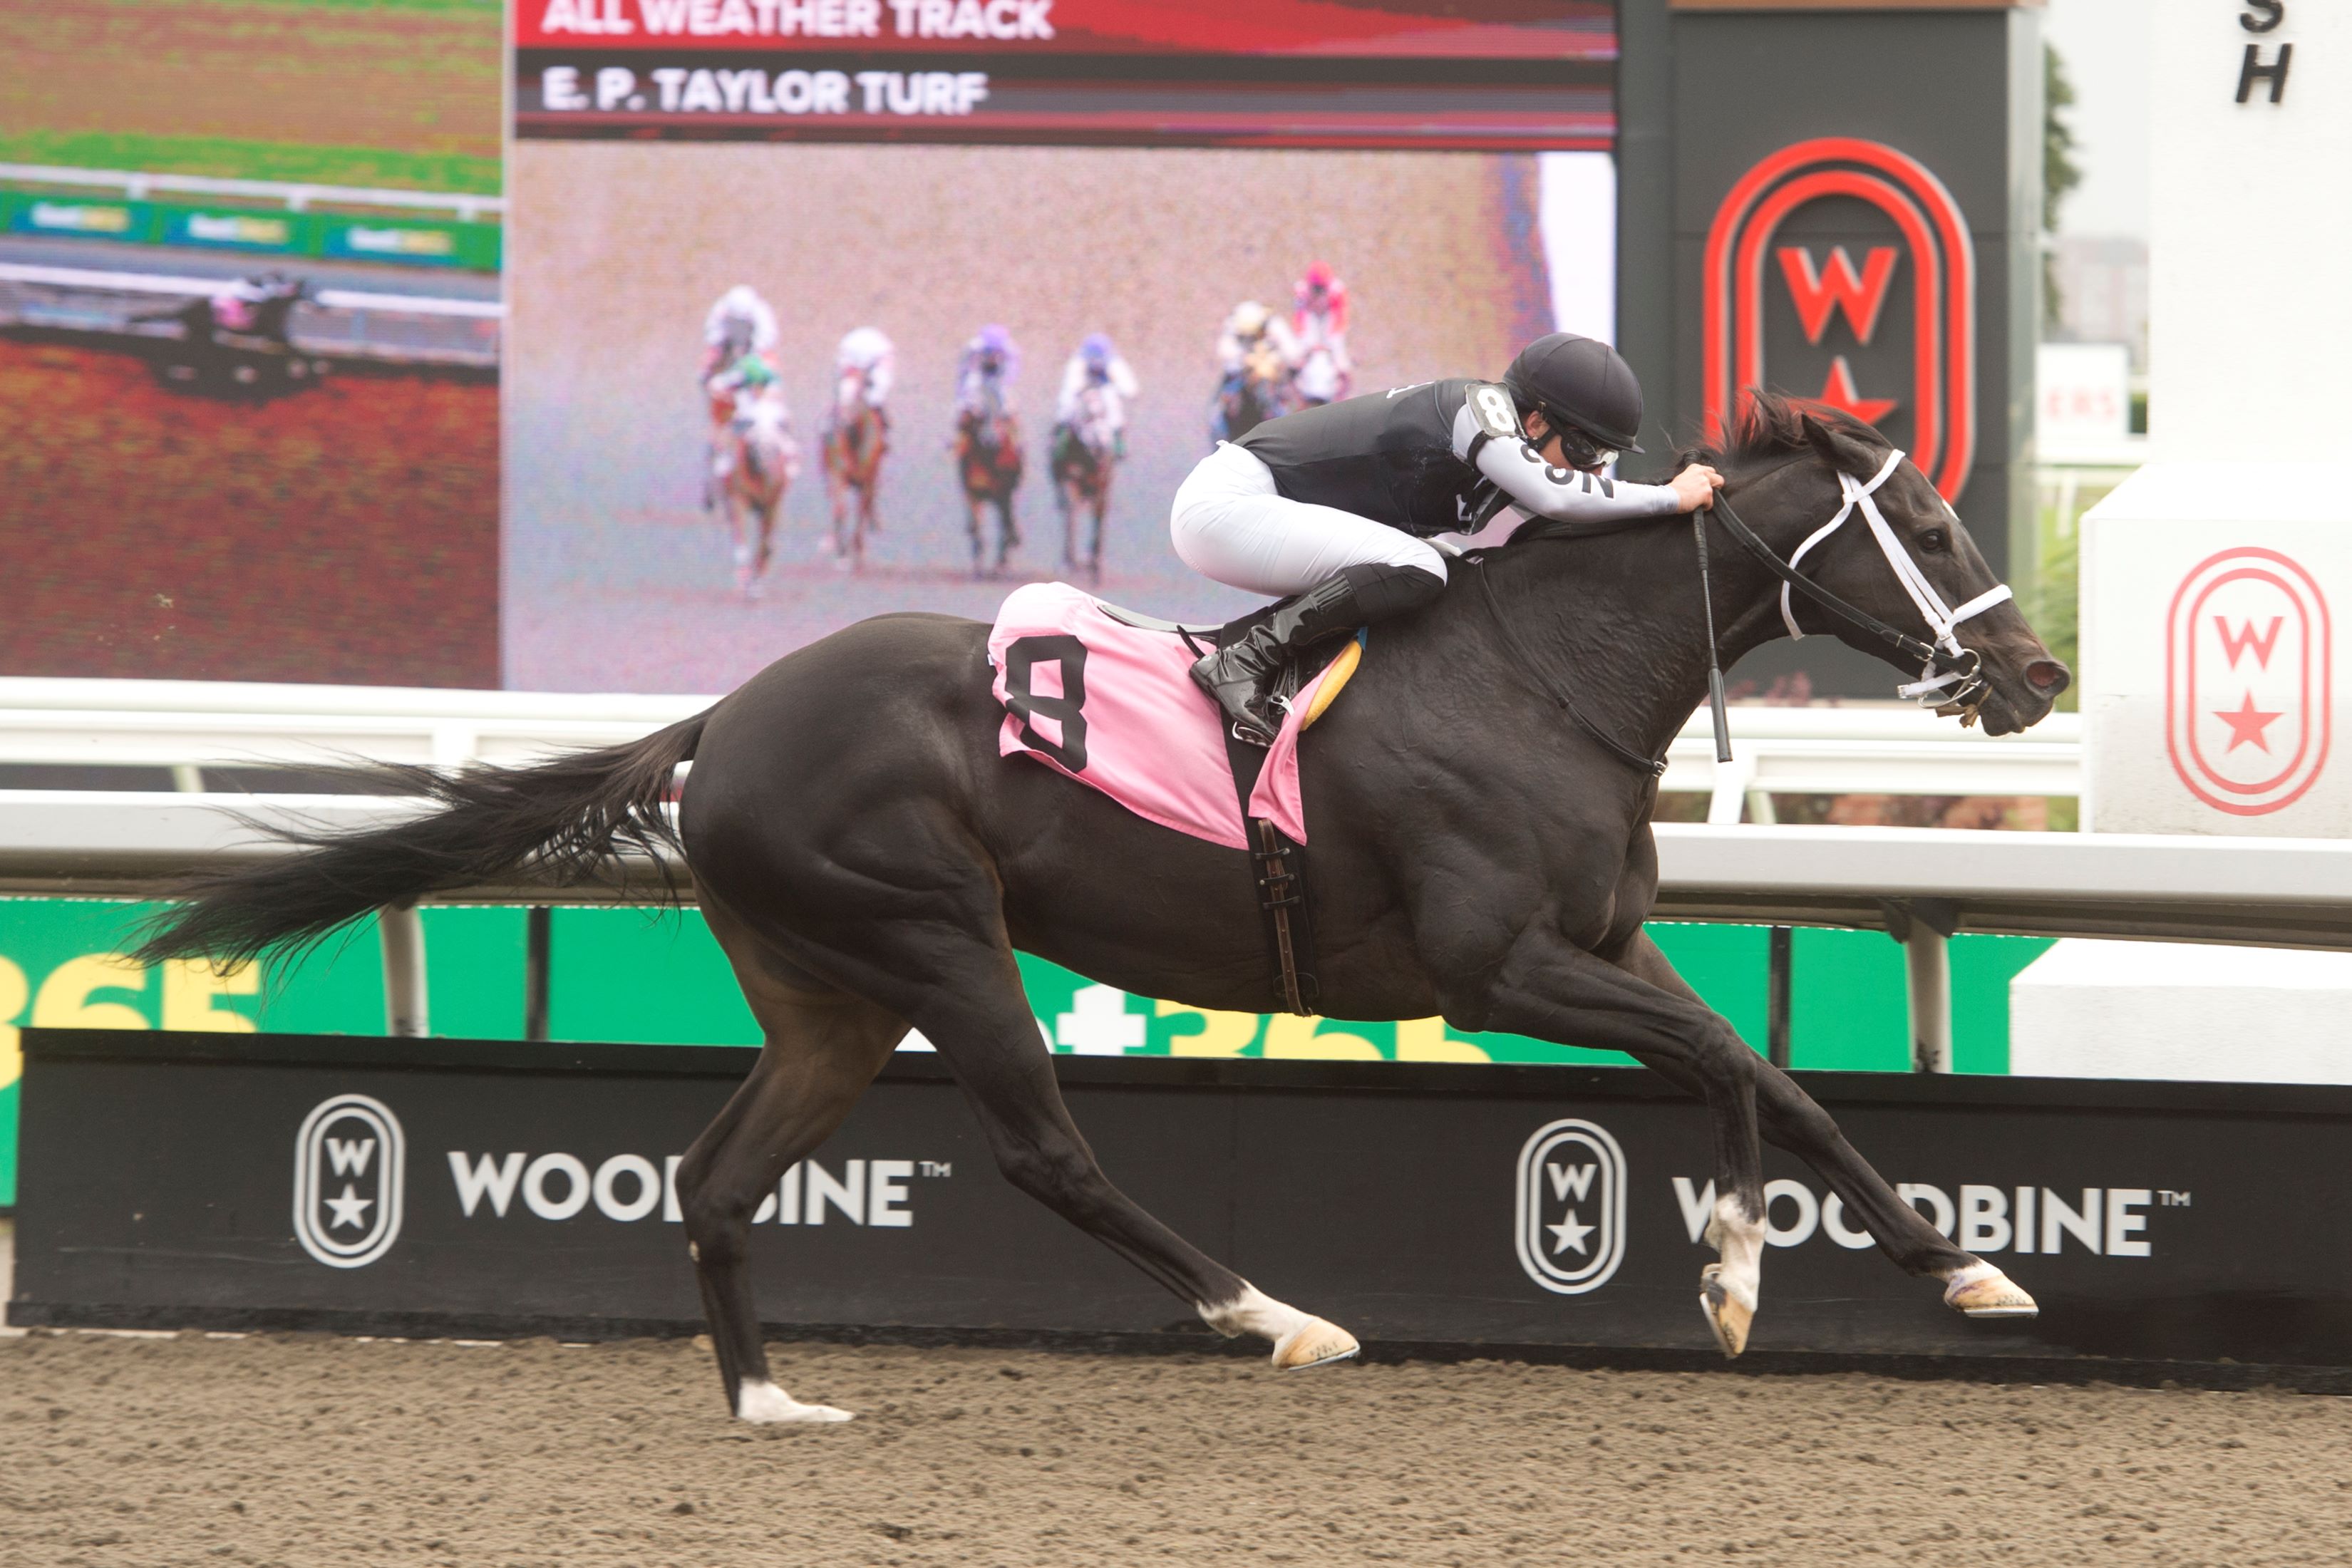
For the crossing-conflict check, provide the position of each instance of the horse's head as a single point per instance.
(1898, 552)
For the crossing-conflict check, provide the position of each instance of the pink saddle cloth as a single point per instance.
(1114, 707)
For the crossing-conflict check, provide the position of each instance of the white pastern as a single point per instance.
(1741, 1240)
(765, 1405)
(1300, 1339)
(1981, 1291)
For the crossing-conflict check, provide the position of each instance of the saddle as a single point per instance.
(1105, 694)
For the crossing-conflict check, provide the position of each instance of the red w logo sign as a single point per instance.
(2237, 642)
(1930, 248)
(1817, 295)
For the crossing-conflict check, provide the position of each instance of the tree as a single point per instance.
(2060, 174)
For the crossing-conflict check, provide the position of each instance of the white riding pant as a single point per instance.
(1229, 524)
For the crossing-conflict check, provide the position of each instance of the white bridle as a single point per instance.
(1940, 620)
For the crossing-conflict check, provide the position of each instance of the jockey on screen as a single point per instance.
(1098, 365)
(865, 354)
(987, 365)
(1255, 339)
(1335, 504)
(739, 388)
(739, 323)
(1319, 320)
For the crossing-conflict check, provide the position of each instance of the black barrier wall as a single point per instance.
(404, 1187)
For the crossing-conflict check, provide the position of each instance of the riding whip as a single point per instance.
(1714, 661)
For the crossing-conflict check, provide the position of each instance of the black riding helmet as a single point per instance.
(1582, 385)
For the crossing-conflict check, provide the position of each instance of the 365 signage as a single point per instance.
(1924, 271)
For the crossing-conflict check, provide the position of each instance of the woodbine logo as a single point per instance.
(1570, 1221)
(630, 1187)
(350, 1163)
(2109, 1221)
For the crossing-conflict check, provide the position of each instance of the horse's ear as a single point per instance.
(1841, 449)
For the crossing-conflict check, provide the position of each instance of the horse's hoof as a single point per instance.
(1985, 1291)
(1314, 1343)
(1729, 1318)
(765, 1405)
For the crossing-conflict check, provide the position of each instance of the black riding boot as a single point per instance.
(1240, 676)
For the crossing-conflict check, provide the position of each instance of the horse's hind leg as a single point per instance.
(971, 1005)
(1791, 1118)
(822, 1048)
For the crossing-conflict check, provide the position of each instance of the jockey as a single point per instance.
(1098, 365)
(1252, 332)
(987, 364)
(869, 355)
(740, 322)
(749, 381)
(1335, 504)
(1319, 319)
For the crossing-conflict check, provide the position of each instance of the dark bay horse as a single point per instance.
(855, 441)
(988, 460)
(1084, 457)
(1482, 833)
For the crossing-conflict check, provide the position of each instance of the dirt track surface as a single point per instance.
(348, 532)
(301, 1450)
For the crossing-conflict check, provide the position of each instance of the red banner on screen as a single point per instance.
(1335, 29)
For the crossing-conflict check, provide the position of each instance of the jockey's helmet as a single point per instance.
(1582, 386)
(1318, 279)
(1249, 319)
(1096, 350)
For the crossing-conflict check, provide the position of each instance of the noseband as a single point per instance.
(1949, 675)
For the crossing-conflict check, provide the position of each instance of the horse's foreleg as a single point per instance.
(822, 1048)
(1789, 1118)
(1553, 990)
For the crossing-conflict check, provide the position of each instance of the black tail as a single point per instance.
(563, 817)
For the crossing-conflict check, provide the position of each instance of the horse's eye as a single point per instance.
(1934, 541)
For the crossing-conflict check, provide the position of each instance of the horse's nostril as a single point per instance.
(2047, 675)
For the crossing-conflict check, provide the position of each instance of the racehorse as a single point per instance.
(1481, 811)
(238, 341)
(988, 460)
(761, 460)
(1085, 459)
(1259, 390)
(853, 442)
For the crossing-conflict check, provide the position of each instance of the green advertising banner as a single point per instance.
(262, 231)
(631, 975)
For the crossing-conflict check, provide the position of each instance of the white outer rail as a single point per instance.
(296, 197)
(164, 283)
(1921, 883)
(1889, 749)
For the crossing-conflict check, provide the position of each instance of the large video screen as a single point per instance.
(1094, 236)
(250, 325)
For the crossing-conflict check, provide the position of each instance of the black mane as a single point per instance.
(1771, 428)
